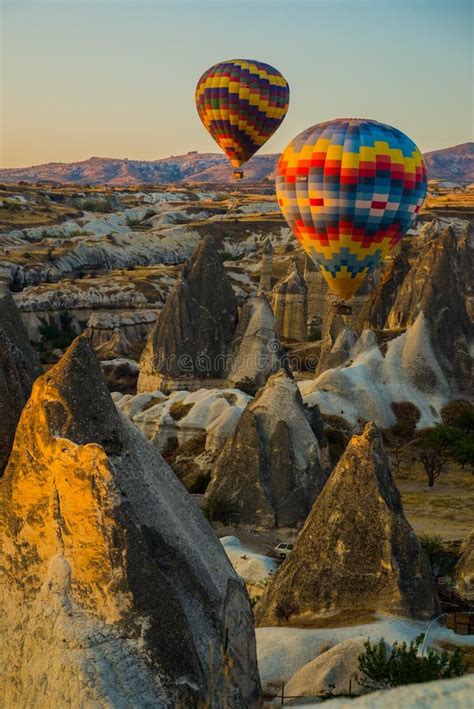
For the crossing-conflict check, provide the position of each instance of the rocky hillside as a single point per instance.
(456, 163)
(192, 167)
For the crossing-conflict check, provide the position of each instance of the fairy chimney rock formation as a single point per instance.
(193, 334)
(375, 311)
(266, 267)
(272, 466)
(433, 292)
(290, 306)
(257, 352)
(356, 550)
(105, 601)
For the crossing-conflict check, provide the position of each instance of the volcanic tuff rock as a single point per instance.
(194, 331)
(120, 334)
(19, 367)
(434, 287)
(105, 601)
(337, 345)
(256, 349)
(356, 550)
(375, 311)
(12, 325)
(465, 568)
(272, 465)
(290, 305)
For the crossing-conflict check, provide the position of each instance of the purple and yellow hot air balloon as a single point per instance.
(349, 189)
(241, 103)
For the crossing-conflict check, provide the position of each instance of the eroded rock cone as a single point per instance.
(257, 351)
(290, 305)
(375, 312)
(19, 367)
(272, 466)
(194, 330)
(433, 288)
(337, 345)
(114, 590)
(357, 551)
(13, 327)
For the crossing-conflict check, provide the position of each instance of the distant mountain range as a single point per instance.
(454, 164)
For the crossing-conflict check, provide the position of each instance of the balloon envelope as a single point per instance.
(349, 189)
(241, 103)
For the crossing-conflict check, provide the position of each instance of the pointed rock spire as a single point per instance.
(272, 466)
(104, 598)
(356, 551)
(194, 330)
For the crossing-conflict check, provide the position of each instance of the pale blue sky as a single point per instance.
(116, 77)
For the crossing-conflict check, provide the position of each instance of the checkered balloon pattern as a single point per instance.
(241, 103)
(349, 189)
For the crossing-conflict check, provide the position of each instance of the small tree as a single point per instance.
(382, 668)
(434, 459)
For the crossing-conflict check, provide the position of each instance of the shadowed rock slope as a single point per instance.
(114, 590)
(194, 330)
(19, 367)
(357, 551)
(465, 568)
(272, 465)
(375, 311)
(435, 287)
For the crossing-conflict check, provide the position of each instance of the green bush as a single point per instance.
(407, 415)
(459, 414)
(218, 508)
(54, 337)
(382, 668)
(458, 442)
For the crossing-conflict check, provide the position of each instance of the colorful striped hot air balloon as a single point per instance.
(241, 103)
(349, 189)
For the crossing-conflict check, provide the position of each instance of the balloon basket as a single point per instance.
(238, 175)
(342, 308)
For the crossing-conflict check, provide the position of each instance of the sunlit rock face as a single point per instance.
(194, 331)
(19, 367)
(356, 551)
(273, 465)
(114, 590)
(465, 568)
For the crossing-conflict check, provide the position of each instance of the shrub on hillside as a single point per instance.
(407, 415)
(459, 414)
(383, 668)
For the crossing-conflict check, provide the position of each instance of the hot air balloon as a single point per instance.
(241, 103)
(349, 189)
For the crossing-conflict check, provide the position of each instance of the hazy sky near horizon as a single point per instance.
(116, 78)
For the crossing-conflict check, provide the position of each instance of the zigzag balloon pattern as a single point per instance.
(241, 103)
(349, 189)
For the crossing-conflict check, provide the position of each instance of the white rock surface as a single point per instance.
(214, 412)
(364, 390)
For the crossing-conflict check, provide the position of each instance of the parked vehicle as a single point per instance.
(283, 550)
